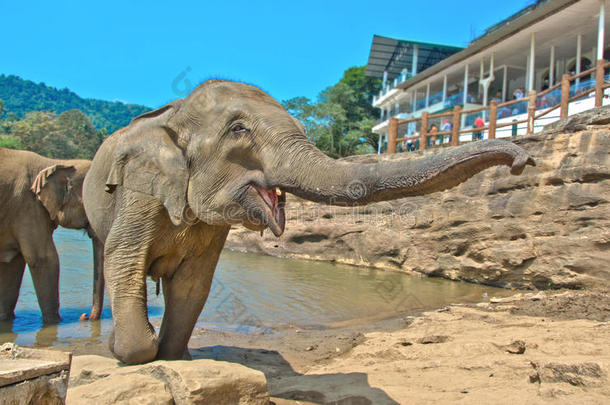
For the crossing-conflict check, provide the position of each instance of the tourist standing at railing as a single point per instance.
(478, 123)
(433, 131)
(415, 145)
(445, 128)
(518, 94)
(408, 145)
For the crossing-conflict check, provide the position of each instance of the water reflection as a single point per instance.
(250, 293)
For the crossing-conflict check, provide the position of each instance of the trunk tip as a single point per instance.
(521, 160)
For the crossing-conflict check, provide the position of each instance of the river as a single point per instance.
(250, 294)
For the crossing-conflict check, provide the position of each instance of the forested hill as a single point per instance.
(22, 96)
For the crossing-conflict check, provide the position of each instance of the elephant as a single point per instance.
(37, 194)
(163, 192)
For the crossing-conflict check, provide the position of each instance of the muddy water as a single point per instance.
(250, 293)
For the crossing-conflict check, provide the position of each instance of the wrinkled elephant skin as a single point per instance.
(163, 192)
(38, 194)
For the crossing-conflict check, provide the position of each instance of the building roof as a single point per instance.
(511, 18)
(393, 55)
(498, 33)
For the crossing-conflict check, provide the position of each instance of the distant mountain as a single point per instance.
(21, 96)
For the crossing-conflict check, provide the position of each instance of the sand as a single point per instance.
(548, 347)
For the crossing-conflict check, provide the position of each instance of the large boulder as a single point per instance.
(33, 376)
(101, 380)
(549, 227)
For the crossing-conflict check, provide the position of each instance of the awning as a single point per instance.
(393, 55)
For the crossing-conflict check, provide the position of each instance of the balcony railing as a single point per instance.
(390, 85)
(537, 105)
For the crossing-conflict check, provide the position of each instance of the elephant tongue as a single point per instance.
(275, 199)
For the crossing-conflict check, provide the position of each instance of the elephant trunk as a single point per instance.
(316, 177)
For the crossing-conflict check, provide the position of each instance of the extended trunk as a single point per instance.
(316, 177)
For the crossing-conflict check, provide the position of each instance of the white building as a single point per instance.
(529, 50)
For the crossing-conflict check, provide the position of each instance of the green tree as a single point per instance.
(67, 135)
(22, 96)
(11, 142)
(340, 122)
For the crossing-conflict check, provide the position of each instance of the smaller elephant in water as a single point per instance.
(36, 195)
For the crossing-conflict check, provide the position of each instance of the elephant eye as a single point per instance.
(238, 129)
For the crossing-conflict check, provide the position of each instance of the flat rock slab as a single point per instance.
(101, 380)
(30, 376)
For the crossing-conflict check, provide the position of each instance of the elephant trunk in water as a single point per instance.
(316, 177)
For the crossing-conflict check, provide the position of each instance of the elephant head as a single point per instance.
(59, 189)
(229, 152)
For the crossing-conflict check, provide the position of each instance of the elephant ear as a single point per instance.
(147, 160)
(51, 187)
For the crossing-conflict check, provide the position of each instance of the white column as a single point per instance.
(481, 69)
(504, 83)
(465, 85)
(531, 64)
(444, 88)
(578, 55)
(552, 67)
(385, 79)
(379, 144)
(427, 95)
(527, 73)
(414, 60)
(600, 30)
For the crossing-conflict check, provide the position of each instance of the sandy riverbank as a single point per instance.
(531, 348)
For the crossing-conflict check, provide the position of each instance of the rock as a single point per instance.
(512, 298)
(516, 347)
(537, 297)
(33, 376)
(547, 228)
(579, 374)
(426, 340)
(580, 122)
(132, 389)
(102, 381)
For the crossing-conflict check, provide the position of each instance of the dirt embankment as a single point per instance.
(548, 228)
(535, 348)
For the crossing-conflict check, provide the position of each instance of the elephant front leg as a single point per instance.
(11, 274)
(41, 256)
(185, 294)
(98, 279)
(133, 339)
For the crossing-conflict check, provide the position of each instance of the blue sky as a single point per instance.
(146, 52)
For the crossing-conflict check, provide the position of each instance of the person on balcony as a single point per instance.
(433, 131)
(518, 94)
(445, 128)
(478, 123)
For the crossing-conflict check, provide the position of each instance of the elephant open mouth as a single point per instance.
(274, 200)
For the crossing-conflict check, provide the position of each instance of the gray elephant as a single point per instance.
(36, 195)
(163, 193)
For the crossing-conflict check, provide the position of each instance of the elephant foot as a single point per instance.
(7, 316)
(137, 352)
(168, 355)
(95, 314)
(51, 318)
